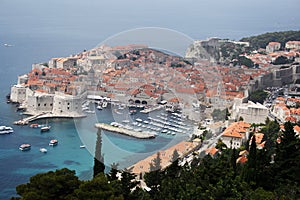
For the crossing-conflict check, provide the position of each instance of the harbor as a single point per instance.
(131, 133)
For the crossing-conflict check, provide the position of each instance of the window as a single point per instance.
(45, 104)
(39, 104)
(68, 103)
(51, 104)
(59, 102)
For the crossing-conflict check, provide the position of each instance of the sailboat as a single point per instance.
(45, 128)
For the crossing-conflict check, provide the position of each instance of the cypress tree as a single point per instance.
(98, 159)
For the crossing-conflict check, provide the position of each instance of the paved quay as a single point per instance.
(31, 118)
(132, 133)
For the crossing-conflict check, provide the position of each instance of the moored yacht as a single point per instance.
(45, 128)
(25, 147)
(6, 130)
(53, 142)
(43, 150)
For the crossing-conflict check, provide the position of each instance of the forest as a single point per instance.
(272, 172)
(261, 41)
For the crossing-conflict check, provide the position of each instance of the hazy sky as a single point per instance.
(197, 18)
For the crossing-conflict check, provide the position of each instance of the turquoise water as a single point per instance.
(18, 166)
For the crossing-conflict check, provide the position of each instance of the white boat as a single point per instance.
(99, 107)
(25, 147)
(90, 111)
(53, 142)
(45, 128)
(6, 130)
(82, 146)
(139, 120)
(8, 45)
(43, 150)
(104, 105)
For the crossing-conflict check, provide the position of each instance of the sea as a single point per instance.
(38, 31)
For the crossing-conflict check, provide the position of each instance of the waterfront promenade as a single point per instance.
(131, 133)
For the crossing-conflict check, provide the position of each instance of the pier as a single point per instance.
(31, 118)
(148, 110)
(131, 133)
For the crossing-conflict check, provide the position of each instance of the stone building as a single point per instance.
(67, 105)
(250, 112)
(18, 93)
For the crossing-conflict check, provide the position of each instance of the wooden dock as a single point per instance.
(131, 133)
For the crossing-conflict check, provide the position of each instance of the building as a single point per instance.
(292, 45)
(273, 46)
(18, 93)
(235, 134)
(250, 112)
(67, 105)
(39, 102)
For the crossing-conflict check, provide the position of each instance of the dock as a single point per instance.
(131, 133)
(31, 118)
(148, 110)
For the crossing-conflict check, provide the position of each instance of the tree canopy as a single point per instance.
(261, 41)
(272, 172)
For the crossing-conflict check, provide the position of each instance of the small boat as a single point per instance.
(139, 120)
(53, 142)
(99, 107)
(45, 128)
(43, 150)
(132, 112)
(8, 45)
(104, 105)
(90, 111)
(34, 125)
(6, 130)
(25, 147)
(82, 146)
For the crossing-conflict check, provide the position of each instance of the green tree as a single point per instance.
(97, 188)
(59, 184)
(113, 172)
(242, 60)
(153, 178)
(250, 169)
(128, 183)
(98, 159)
(281, 60)
(287, 157)
(258, 96)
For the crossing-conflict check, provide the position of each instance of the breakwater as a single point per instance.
(131, 133)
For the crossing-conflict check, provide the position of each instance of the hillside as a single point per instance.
(261, 41)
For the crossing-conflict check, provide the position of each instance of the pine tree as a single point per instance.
(287, 159)
(113, 172)
(250, 168)
(98, 159)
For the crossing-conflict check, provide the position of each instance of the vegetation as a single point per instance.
(270, 173)
(99, 166)
(281, 60)
(261, 41)
(220, 115)
(258, 96)
(242, 60)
